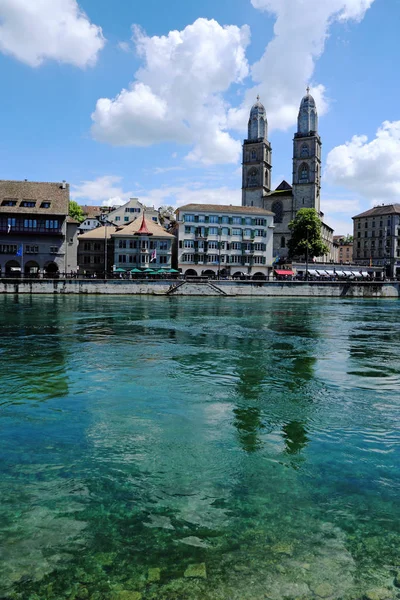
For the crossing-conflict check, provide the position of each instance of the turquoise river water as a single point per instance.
(199, 448)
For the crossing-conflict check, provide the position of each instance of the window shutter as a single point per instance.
(180, 244)
(196, 218)
(206, 230)
(207, 219)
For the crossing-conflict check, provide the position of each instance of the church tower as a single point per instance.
(256, 172)
(307, 157)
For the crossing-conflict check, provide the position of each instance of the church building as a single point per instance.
(286, 200)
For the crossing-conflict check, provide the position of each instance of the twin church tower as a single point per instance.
(286, 200)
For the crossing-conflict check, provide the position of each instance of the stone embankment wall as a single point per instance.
(218, 288)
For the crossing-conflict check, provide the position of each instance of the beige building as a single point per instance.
(219, 240)
(142, 244)
(131, 210)
(96, 247)
(36, 234)
(344, 249)
(377, 238)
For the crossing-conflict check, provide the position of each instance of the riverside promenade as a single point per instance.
(330, 289)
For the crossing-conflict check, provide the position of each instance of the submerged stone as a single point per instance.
(397, 580)
(323, 590)
(154, 575)
(198, 570)
(283, 548)
(378, 594)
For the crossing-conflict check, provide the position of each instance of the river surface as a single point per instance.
(199, 448)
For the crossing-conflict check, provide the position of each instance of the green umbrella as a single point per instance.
(120, 270)
(160, 272)
(173, 271)
(136, 270)
(148, 271)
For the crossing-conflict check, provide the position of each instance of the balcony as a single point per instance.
(20, 230)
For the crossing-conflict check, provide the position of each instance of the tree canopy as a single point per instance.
(75, 211)
(306, 234)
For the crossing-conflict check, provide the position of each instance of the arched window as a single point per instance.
(305, 153)
(277, 209)
(252, 178)
(303, 173)
(283, 242)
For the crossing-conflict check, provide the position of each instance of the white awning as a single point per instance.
(348, 273)
(365, 274)
(340, 274)
(357, 274)
(314, 273)
(330, 273)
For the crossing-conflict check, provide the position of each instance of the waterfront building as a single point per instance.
(376, 238)
(344, 249)
(286, 200)
(130, 211)
(224, 240)
(142, 244)
(36, 234)
(95, 249)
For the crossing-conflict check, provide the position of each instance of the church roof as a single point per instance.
(283, 186)
(378, 211)
(137, 227)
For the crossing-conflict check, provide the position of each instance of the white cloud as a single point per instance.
(103, 190)
(287, 65)
(177, 94)
(108, 191)
(37, 30)
(191, 193)
(369, 168)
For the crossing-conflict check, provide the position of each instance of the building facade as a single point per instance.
(95, 249)
(286, 200)
(376, 238)
(131, 210)
(142, 244)
(344, 249)
(217, 240)
(36, 235)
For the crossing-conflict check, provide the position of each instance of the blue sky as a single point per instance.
(174, 135)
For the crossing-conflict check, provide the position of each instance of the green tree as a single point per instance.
(75, 211)
(306, 234)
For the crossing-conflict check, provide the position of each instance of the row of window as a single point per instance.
(141, 258)
(224, 220)
(373, 254)
(380, 244)
(206, 231)
(24, 203)
(143, 244)
(13, 222)
(223, 259)
(28, 249)
(212, 245)
(373, 234)
(132, 210)
(373, 225)
(127, 219)
(93, 260)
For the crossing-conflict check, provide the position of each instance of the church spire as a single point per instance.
(307, 122)
(258, 124)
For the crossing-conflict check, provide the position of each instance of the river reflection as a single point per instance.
(255, 440)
